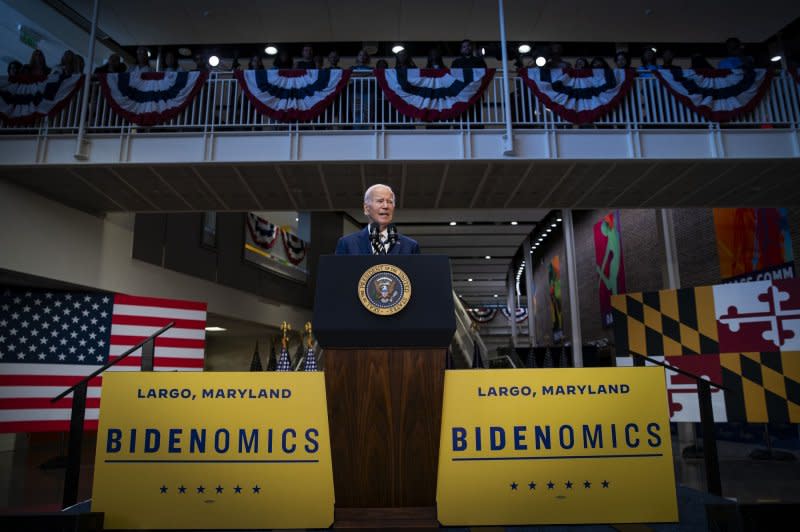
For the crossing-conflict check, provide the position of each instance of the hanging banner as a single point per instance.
(718, 95)
(289, 95)
(430, 94)
(554, 285)
(579, 96)
(151, 98)
(753, 244)
(289, 259)
(555, 446)
(482, 315)
(609, 264)
(521, 314)
(213, 451)
(24, 100)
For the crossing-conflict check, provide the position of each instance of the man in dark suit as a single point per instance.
(380, 236)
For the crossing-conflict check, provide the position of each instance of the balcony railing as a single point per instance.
(221, 106)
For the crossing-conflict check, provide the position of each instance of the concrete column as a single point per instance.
(572, 283)
(529, 291)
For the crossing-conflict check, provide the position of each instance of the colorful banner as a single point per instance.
(747, 336)
(150, 98)
(429, 94)
(289, 95)
(289, 259)
(719, 95)
(579, 96)
(555, 446)
(214, 451)
(24, 100)
(609, 264)
(51, 339)
(753, 244)
(554, 286)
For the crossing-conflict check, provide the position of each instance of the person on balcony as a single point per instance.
(648, 63)
(67, 64)
(555, 60)
(37, 66)
(14, 69)
(581, 63)
(380, 237)
(403, 60)
(171, 62)
(435, 58)
(667, 56)
(622, 59)
(282, 61)
(362, 62)
(307, 58)
(467, 59)
(113, 65)
(256, 63)
(736, 57)
(200, 63)
(142, 61)
(361, 89)
(333, 60)
(600, 62)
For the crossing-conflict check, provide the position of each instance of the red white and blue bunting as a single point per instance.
(24, 99)
(522, 314)
(295, 247)
(795, 74)
(263, 233)
(150, 98)
(289, 95)
(431, 95)
(718, 95)
(482, 315)
(578, 96)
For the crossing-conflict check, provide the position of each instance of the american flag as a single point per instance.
(284, 364)
(49, 340)
(311, 360)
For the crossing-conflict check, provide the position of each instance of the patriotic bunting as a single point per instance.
(578, 96)
(289, 95)
(718, 95)
(24, 99)
(431, 95)
(482, 315)
(150, 98)
(522, 314)
(294, 246)
(263, 233)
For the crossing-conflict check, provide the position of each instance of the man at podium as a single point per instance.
(380, 236)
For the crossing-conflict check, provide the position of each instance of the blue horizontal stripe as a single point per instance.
(124, 87)
(731, 91)
(584, 93)
(434, 94)
(49, 93)
(503, 458)
(297, 93)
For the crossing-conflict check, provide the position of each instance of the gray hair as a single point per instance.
(371, 189)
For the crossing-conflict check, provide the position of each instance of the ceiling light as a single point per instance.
(558, 219)
(483, 51)
(452, 223)
(496, 295)
(553, 225)
(148, 53)
(216, 329)
(514, 223)
(469, 280)
(213, 60)
(654, 49)
(297, 219)
(540, 61)
(397, 48)
(270, 50)
(524, 48)
(775, 58)
(488, 256)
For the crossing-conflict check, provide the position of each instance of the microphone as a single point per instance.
(392, 231)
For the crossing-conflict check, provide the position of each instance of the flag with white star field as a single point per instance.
(49, 340)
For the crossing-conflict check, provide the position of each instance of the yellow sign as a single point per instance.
(384, 289)
(555, 446)
(213, 450)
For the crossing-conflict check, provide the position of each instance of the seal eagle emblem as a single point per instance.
(384, 289)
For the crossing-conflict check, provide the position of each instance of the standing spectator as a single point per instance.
(319, 62)
(114, 65)
(382, 103)
(78, 64)
(467, 59)
(14, 69)
(736, 57)
(599, 62)
(307, 59)
(555, 60)
(403, 60)
(361, 92)
(581, 63)
(362, 62)
(37, 66)
(381, 63)
(256, 63)
(65, 67)
(142, 61)
(171, 62)
(333, 60)
(435, 58)
(667, 56)
(648, 63)
(282, 60)
(622, 59)
(200, 63)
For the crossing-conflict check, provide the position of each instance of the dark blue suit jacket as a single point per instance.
(358, 244)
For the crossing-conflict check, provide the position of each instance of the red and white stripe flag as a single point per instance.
(50, 340)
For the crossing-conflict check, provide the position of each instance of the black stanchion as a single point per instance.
(713, 481)
(75, 443)
(148, 350)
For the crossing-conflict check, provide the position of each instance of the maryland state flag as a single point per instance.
(747, 336)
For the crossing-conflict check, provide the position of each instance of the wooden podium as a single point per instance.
(384, 379)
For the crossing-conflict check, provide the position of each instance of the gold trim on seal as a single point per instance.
(391, 308)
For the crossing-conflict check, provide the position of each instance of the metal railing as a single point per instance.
(222, 106)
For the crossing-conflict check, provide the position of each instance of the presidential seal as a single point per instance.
(384, 289)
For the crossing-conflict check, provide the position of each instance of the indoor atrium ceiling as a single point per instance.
(159, 22)
(482, 197)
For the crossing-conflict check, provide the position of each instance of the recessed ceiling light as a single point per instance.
(483, 51)
(553, 225)
(524, 48)
(270, 50)
(397, 48)
(496, 295)
(148, 53)
(654, 49)
(775, 58)
(514, 223)
(469, 280)
(452, 223)
(215, 329)
(488, 256)
(548, 229)
(540, 61)
(558, 219)
(213, 60)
